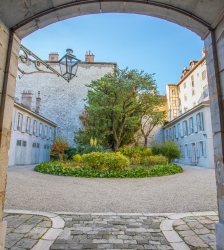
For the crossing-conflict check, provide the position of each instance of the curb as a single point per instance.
(52, 233)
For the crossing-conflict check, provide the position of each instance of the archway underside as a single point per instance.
(27, 16)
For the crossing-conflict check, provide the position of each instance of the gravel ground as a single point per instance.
(193, 190)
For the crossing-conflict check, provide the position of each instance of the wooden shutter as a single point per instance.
(38, 129)
(15, 120)
(24, 120)
(195, 124)
(31, 126)
(204, 149)
(202, 121)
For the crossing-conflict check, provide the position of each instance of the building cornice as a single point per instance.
(187, 113)
(20, 106)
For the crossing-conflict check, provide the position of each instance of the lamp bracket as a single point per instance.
(37, 63)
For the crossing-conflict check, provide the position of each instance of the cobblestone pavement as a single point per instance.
(198, 231)
(110, 231)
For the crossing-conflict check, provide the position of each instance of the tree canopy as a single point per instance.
(114, 106)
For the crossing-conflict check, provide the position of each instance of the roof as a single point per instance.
(23, 107)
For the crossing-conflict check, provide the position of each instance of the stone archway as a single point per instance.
(20, 18)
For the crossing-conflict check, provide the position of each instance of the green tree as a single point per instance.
(151, 117)
(114, 106)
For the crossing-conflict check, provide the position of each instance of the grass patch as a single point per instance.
(57, 168)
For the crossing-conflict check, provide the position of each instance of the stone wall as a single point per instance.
(61, 102)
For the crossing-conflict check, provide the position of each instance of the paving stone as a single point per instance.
(12, 239)
(178, 223)
(182, 228)
(26, 243)
(202, 231)
(213, 217)
(165, 247)
(75, 246)
(76, 232)
(16, 223)
(59, 246)
(186, 233)
(23, 228)
(195, 225)
(90, 246)
(150, 247)
(194, 241)
(132, 242)
(36, 232)
(208, 238)
(115, 241)
(105, 246)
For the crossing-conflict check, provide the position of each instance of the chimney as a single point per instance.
(89, 57)
(53, 57)
(27, 99)
(38, 99)
(203, 52)
(185, 71)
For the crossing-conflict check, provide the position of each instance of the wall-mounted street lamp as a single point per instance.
(68, 64)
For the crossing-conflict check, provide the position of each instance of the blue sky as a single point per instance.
(139, 42)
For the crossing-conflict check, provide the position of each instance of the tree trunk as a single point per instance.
(146, 141)
(115, 146)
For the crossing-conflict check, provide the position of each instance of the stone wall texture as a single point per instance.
(61, 102)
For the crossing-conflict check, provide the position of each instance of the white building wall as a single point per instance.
(44, 142)
(203, 136)
(62, 102)
(199, 83)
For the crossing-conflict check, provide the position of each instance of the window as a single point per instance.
(166, 135)
(193, 92)
(204, 75)
(192, 81)
(178, 89)
(184, 84)
(199, 120)
(34, 127)
(194, 104)
(41, 127)
(174, 132)
(191, 126)
(185, 97)
(18, 143)
(174, 103)
(205, 91)
(28, 125)
(19, 122)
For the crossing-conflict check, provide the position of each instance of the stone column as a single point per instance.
(9, 51)
(214, 45)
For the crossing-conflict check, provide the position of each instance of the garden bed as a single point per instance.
(67, 169)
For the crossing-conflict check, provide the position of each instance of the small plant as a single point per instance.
(154, 160)
(77, 158)
(169, 149)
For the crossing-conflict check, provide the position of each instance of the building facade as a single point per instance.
(189, 116)
(32, 134)
(62, 102)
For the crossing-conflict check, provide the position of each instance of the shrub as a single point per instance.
(70, 152)
(58, 169)
(93, 160)
(92, 148)
(65, 157)
(59, 146)
(157, 160)
(140, 150)
(169, 149)
(99, 160)
(77, 158)
(115, 161)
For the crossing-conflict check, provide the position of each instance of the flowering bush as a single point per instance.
(59, 146)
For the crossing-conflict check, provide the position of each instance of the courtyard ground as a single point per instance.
(192, 190)
(172, 212)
